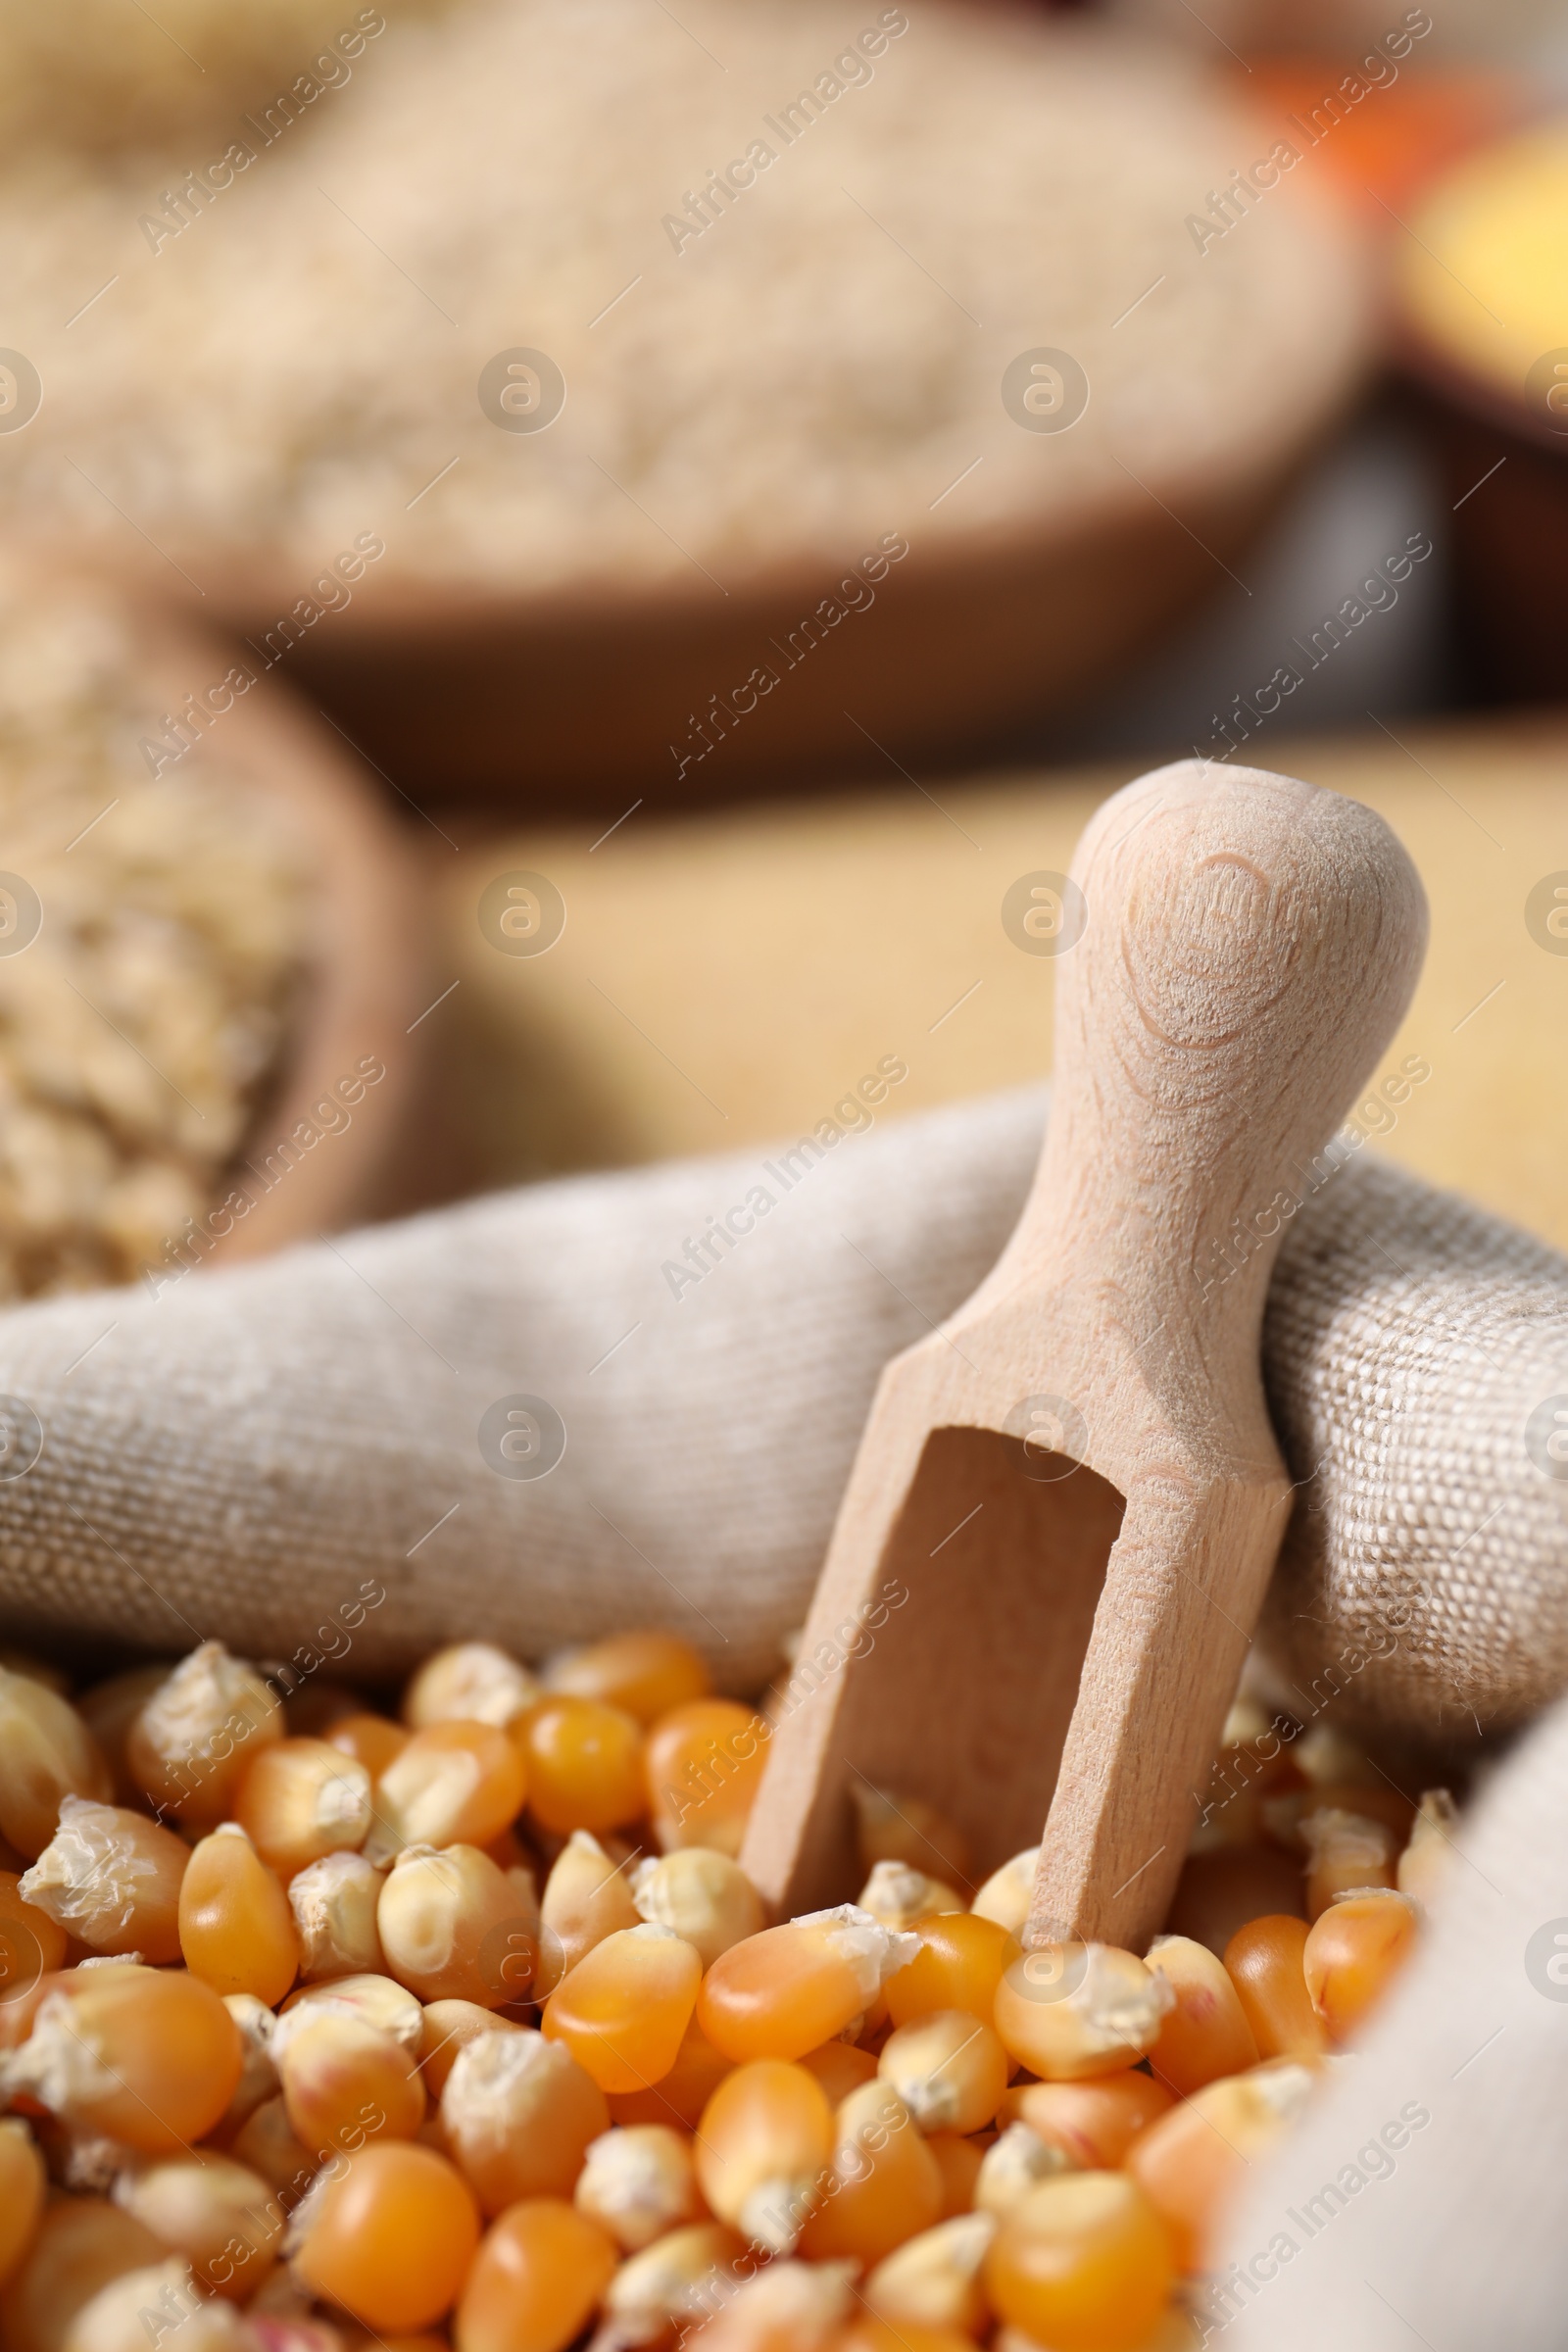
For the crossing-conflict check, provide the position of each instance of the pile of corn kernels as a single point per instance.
(298, 2057)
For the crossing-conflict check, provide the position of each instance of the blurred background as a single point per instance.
(669, 512)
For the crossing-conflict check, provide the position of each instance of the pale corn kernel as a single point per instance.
(1082, 2260)
(303, 1799)
(221, 2215)
(1205, 2034)
(31, 1944)
(267, 2144)
(789, 1990)
(521, 1878)
(1004, 1896)
(1354, 1951)
(586, 1898)
(112, 1879)
(1331, 1757)
(237, 1930)
(110, 1708)
(789, 2307)
(1012, 2166)
(1286, 1817)
(765, 2136)
(519, 2114)
(899, 1896)
(638, 2181)
(882, 2184)
(893, 1828)
(334, 1903)
(1194, 2162)
(390, 2236)
(470, 1681)
(933, 2280)
(372, 1740)
(647, 1674)
(345, 2081)
(1175, 2330)
(377, 2001)
(451, 1929)
(624, 2009)
(24, 2184)
(536, 2280)
(79, 2245)
(1427, 1860)
(1065, 2010)
(682, 2276)
(455, 1784)
(1345, 1852)
(950, 2068)
(132, 2054)
(257, 2075)
(196, 1737)
(116, 2319)
(47, 1754)
(448, 2028)
(702, 1895)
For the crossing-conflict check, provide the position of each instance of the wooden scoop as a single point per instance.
(1068, 1501)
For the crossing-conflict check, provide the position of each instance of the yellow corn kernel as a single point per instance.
(448, 2027)
(899, 1896)
(790, 2307)
(704, 1764)
(376, 2000)
(1066, 2010)
(193, 1742)
(267, 2144)
(1264, 1962)
(1012, 2166)
(645, 1672)
(31, 1944)
(933, 2280)
(790, 1989)
(586, 1898)
(1004, 1896)
(344, 2081)
(46, 1754)
(950, 2068)
(1347, 1853)
(23, 2183)
(536, 2280)
(128, 2053)
(470, 1681)
(680, 2278)
(1092, 2122)
(390, 2236)
(585, 1765)
(1206, 2034)
(958, 2161)
(637, 2182)
(221, 2215)
(372, 1740)
(258, 2079)
(1194, 2162)
(1081, 2263)
(702, 1895)
(958, 1965)
(625, 2008)
(519, 2114)
(839, 2067)
(451, 1928)
(237, 1930)
(882, 2185)
(112, 1879)
(110, 1708)
(455, 1784)
(1354, 1951)
(299, 1799)
(116, 2319)
(867, 2334)
(79, 2245)
(893, 1828)
(765, 2136)
(1428, 1859)
(680, 2097)
(333, 1903)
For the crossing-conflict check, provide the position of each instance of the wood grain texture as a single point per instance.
(1251, 943)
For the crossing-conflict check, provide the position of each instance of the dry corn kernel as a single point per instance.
(110, 1708)
(680, 2097)
(1082, 2263)
(1425, 1861)
(1354, 1951)
(1012, 2166)
(333, 1903)
(585, 1765)
(237, 1930)
(258, 2079)
(196, 1737)
(789, 2307)
(1193, 2162)
(376, 2000)
(451, 1928)
(112, 1879)
(345, 2081)
(958, 2161)
(1066, 2010)
(81, 2243)
(23, 1661)
(1264, 1962)
(637, 2182)
(455, 1784)
(883, 2182)
(470, 1681)
(391, 2237)
(1004, 1896)
(31, 1944)
(899, 1896)
(647, 1674)
(788, 1990)
(448, 2027)
(765, 2134)
(679, 2277)
(537, 2277)
(131, 2054)
(586, 1898)
(1347, 1853)
(704, 1764)
(374, 1740)
(950, 2068)
(704, 1896)
(266, 2143)
(299, 1799)
(1095, 2123)
(46, 1754)
(116, 2320)
(959, 1963)
(623, 2010)
(933, 2280)
(869, 2333)
(519, 2114)
(221, 2215)
(1206, 2034)
(893, 1828)
(1285, 1817)
(839, 2067)
(22, 2182)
